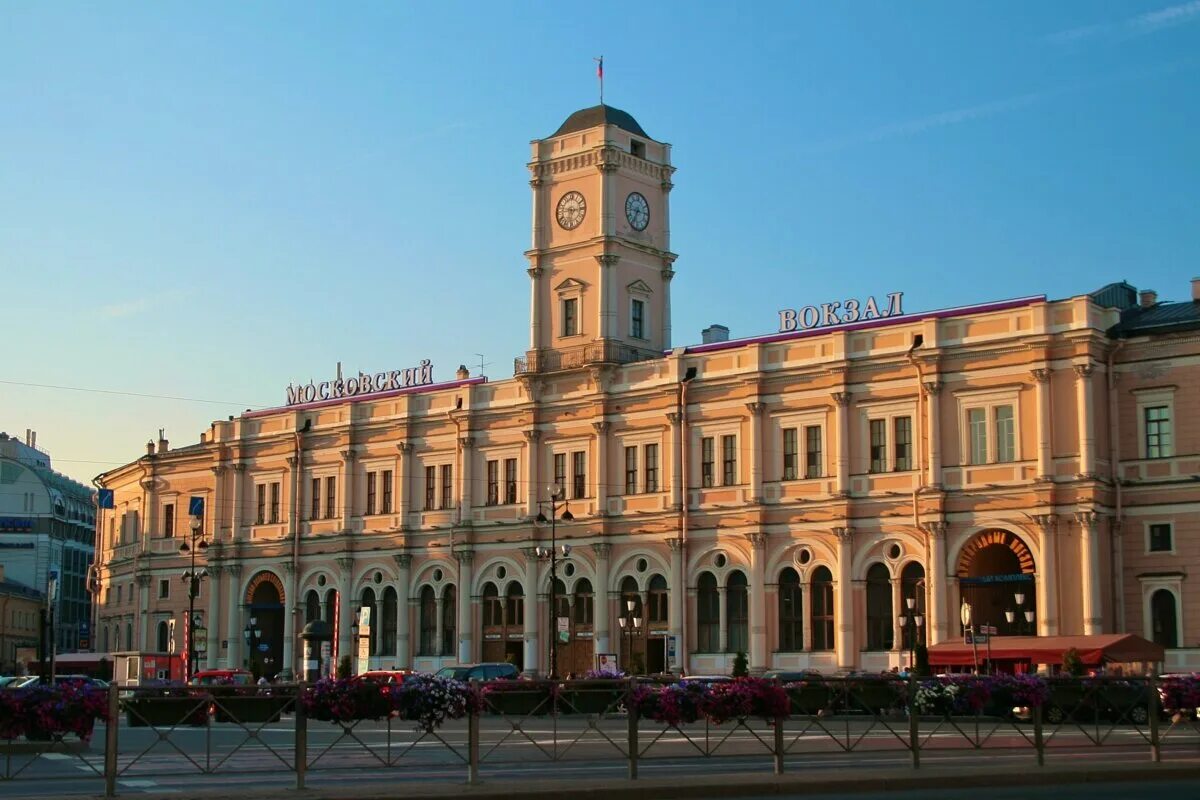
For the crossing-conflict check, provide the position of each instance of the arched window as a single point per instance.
(312, 606)
(388, 621)
(428, 643)
(822, 609)
(708, 614)
(368, 601)
(791, 612)
(583, 602)
(164, 637)
(912, 587)
(514, 605)
(659, 602)
(880, 625)
(1163, 618)
(493, 610)
(331, 604)
(737, 613)
(562, 599)
(449, 616)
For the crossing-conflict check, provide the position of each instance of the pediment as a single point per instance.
(639, 287)
(571, 285)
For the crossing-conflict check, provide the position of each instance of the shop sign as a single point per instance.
(365, 383)
(839, 313)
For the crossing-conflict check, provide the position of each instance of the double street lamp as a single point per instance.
(193, 543)
(556, 503)
(251, 633)
(911, 626)
(1027, 613)
(629, 623)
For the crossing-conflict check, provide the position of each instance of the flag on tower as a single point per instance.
(600, 67)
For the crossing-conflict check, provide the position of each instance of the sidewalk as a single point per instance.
(824, 781)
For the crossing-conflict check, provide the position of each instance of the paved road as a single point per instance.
(1182, 790)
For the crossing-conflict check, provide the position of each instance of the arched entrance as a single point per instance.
(996, 576)
(264, 624)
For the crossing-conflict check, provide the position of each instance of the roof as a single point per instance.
(1120, 648)
(1157, 319)
(596, 116)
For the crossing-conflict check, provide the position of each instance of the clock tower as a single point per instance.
(600, 263)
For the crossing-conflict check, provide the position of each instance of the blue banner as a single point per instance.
(196, 506)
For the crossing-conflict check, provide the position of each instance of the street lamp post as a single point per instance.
(916, 620)
(1019, 613)
(192, 578)
(629, 623)
(964, 614)
(556, 494)
(252, 633)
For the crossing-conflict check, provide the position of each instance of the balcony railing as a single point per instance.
(603, 352)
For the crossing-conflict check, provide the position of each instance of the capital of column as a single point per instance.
(403, 560)
(1047, 522)
(215, 570)
(607, 167)
(841, 398)
(676, 544)
(467, 441)
(667, 274)
(465, 556)
(534, 272)
(932, 387)
(234, 569)
(936, 530)
(147, 484)
(1084, 370)
(532, 435)
(289, 567)
(601, 549)
(347, 455)
(218, 470)
(758, 540)
(143, 579)
(292, 461)
(844, 535)
(674, 417)
(239, 467)
(756, 408)
(345, 562)
(1087, 520)
(666, 186)
(530, 554)
(404, 447)
(537, 182)
(601, 427)
(608, 259)
(1040, 375)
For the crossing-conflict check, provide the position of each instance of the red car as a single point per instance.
(383, 676)
(222, 677)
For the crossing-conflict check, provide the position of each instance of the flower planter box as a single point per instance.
(166, 712)
(809, 700)
(251, 709)
(535, 700)
(592, 697)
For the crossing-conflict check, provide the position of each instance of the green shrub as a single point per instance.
(740, 666)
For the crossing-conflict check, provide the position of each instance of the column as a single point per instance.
(673, 441)
(403, 642)
(756, 450)
(533, 456)
(233, 611)
(290, 608)
(535, 306)
(1084, 413)
(603, 552)
(936, 579)
(844, 599)
(347, 607)
(723, 620)
(213, 618)
(143, 582)
(347, 488)
(1047, 577)
(842, 401)
(667, 274)
(677, 592)
(757, 596)
(806, 612)
(466, 461)
(439, 624)
(899, 607)
(933, 421)
(606, 299)
(602, 466)
(239, 500)
(217, 513)
(530, 587)
(466, 560)
(293, 495)
(1089, 535)
(1042, 391)
(404, 483)
(536, 226)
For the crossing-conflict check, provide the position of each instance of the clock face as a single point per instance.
(571, 210)
(637, 211)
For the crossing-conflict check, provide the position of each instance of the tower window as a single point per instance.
(637, 325)
(570, 317)
(637, 148)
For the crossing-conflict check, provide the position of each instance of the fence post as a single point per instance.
(632, 714)
(301, 755)
(914, 722)
(111, 740)
(1152, 708)
(1039, 743)
(473, 737)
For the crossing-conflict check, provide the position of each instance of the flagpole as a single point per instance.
(600, 76)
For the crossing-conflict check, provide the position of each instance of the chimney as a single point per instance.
(1196, 290)
(163, 445)
(150, 447)
(714, 333)
(28, 436)
(1147, 298)
(463, 373)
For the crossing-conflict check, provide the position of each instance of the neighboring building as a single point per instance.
(784, 495)
(47, 525)
(20, 608)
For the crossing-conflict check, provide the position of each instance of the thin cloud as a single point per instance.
(139, 305)
(1140, 25)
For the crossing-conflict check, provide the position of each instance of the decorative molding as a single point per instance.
(532, 436)
(467, 442)
(1084, 370)
(464, 556)
(403, 560)
(347, 455)
(676, 544)
(602, 427)
(841, 398)
(674, 417)
(1047, 522)
(345, 562)
(758, 540)
(844, 534)
(932, 387)
(235, 570)
(292, 461)
(1040, 375)
(1087, 520)
(936, 530)
(607, 259)
(756, 408)
(404, 447)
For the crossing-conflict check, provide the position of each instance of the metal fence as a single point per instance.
(208, 732)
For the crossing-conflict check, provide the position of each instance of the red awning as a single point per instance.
(1109, 648)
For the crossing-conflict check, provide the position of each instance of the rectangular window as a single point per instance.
(315, 500)
(1158, 432)
(260, 515)
(630, 470)
(1160, 538)
(386, 479)
(169, 520)
(275, 502)
(651, 459)
(707, 458)
(789, 454)
(164, 588)
(579, 474)
(878, 445)
(637, 324)
(728, 460)
(430, 488)
(493, 482)
(447, 486)
(560, 471)
(510, 480)
(570, 321)
(371, 476)
(812, 452)
(1006, 443)
(977, 431)
(330, 497)
(902, 429)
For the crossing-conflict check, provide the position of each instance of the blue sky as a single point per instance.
(208, 201)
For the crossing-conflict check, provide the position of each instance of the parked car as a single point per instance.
(482, 672)
(30, 681)
(384, 676)
(12, 681)
(792, 676)
(220, 677)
